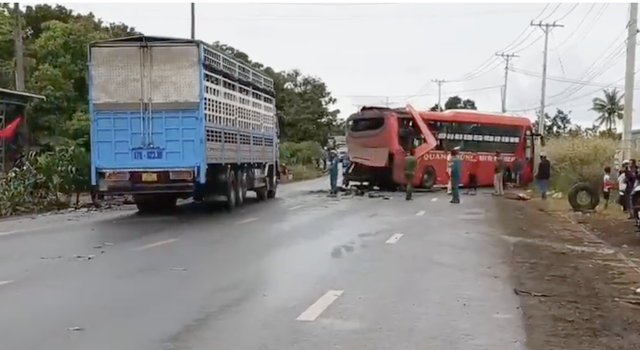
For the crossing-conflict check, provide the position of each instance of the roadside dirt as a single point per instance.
(578, 287)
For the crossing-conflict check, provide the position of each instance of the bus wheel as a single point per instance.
(428, 177)
(583, 196)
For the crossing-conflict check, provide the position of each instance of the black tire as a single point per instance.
(428, 177)
(261, 193)
(232, 190)
(592, 191)
(241, 188)
(272, 183)
(97, 199)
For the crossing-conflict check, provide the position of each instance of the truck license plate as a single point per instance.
(149, 177)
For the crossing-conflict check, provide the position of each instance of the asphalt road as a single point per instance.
(303, 271)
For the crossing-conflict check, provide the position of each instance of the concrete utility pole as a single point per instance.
(439, 82)
(507, 59)
(546, 28)
(629, 80)
(19, 51)
(193, 21)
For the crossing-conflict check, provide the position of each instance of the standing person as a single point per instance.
(517, 170)
(607, 185)
(498, 174)
(543, 175)
(473, 174)
(333, 173)
(455, 176)
(630, 179)
(409, 172)
(449, 173)
(622, 185)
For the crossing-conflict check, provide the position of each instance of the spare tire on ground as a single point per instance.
(584, 196)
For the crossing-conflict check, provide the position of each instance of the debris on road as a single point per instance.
(532, 294)
(51, 257)
(84, 257)
(76, 329)
(178, 269)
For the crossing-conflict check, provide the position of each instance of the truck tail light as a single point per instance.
(117, 176)
(181, 175)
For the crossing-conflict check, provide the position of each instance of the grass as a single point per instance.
(301, 173)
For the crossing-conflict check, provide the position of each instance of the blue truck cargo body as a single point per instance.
(162, 104)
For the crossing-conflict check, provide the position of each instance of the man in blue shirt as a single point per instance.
(333, 172)
(455, 176)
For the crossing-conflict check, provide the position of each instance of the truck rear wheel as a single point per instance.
(272, 187)
(232, 190)
(241, 193)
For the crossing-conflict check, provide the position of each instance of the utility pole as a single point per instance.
(439, 82)
(629, 80)
(19, 52)
(546, 28)
(193, 21)
(507, 58)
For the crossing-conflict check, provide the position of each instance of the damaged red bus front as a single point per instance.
(375, 137)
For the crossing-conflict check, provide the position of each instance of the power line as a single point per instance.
(577, 28)
(551, 14)
(591, 92)
(598, 16)
(426, 95)
(568, 13)
(481, 69)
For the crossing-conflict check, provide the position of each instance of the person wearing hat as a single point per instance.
(543, 175)
(455, 176)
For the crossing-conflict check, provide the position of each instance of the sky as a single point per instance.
(373, 54)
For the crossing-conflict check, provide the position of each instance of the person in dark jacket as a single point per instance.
(631, 175)
(543, 175)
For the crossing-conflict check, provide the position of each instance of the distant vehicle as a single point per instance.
(375, 138)
(175, 118)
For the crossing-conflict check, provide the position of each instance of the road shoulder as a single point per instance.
(576, 290)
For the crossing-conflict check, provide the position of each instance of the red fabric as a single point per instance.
(475, 164)
(10, 130)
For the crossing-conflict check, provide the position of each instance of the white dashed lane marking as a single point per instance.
(157, 244)
(394, 238)
(420, 213)
(246, 221)
(434, 199)
(4, 283)
(296, 207)
(319, 306)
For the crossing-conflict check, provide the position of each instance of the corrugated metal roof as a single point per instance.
(22, 94)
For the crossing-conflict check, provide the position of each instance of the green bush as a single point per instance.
(302, 153)
(42, 180)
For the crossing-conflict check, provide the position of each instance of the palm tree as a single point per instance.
(610, 108)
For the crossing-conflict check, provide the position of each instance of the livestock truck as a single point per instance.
(177, 118)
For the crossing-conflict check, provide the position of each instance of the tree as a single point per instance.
(558, 125)
(456, 102)
(303, 102)
(610, 109)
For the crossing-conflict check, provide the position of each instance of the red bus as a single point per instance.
(375, 136)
